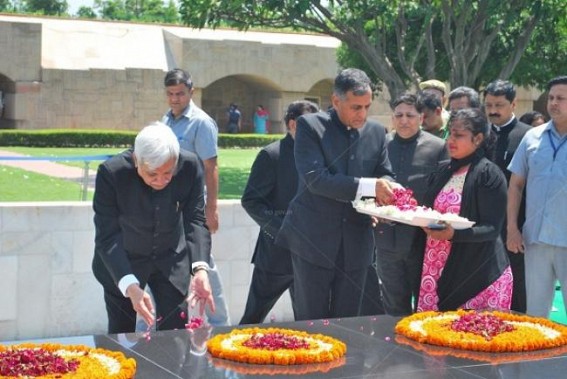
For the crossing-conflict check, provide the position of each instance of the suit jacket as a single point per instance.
(271, 186)
(507, 140)
(330, 161)
(413, 159)
(139, 229)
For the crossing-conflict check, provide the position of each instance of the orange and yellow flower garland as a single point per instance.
(231, 346)
(529, 333)
(91, 365)
(271, 370)
(492, 358)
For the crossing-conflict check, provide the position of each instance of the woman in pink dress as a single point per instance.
(467, 268)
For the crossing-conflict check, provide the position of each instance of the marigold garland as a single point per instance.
(231, 346)
(247, 369)
(529, 333)
(91, 365)
(492, 358)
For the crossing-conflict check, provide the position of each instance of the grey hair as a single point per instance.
(352, 80)
(155, 145)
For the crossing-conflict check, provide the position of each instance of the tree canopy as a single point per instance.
(138, 10)
(401, 42)
(47, 7)
(5, 5)
(86, 12)
(123, 10)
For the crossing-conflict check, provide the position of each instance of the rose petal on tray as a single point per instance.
(420, 216)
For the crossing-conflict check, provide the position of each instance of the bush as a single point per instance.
(247, 140)
(112, 138)
(67, 138)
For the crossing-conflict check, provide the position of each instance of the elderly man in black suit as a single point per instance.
(271, 186)
(340, 156)
(150, 229)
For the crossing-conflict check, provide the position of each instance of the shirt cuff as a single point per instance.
(125, 282)
(366, 188)
(199, 264)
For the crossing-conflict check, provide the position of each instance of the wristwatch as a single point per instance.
(199, 268)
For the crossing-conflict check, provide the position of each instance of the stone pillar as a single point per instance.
(197, 97)
(23, 106)
(275, 107)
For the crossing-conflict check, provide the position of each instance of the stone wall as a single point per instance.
(48, 289)
(89, 74)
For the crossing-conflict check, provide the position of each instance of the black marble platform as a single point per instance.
(373, 351)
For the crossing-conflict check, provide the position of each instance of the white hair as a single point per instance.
(155, 145)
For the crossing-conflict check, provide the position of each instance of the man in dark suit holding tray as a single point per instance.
(340, 156)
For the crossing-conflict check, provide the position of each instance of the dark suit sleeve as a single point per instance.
(443, 155)
(384, 167)
(197, 234)
(108, 234)
(257, 199)
(313, 167)
(491, 198)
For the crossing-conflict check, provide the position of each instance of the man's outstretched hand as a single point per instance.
(142, 303)
(200, 292)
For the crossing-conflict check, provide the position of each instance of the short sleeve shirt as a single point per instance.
(541, 159)
(196, 131)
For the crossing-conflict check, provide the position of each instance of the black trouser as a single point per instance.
(519, 290)
(170, 304)
(372, 303)
(265, 290)
(324, 293)
(400, 273)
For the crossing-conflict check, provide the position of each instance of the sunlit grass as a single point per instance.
(21, 185)
(65, 152)
(234, 168)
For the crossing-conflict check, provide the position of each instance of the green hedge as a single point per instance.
(247, 140)
(111, 138)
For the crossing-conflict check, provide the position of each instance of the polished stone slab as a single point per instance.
(373, 351)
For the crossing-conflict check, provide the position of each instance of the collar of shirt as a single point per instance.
(504, 127)
(345, 128)
(553, 130)
(409, 140)
(186, 112)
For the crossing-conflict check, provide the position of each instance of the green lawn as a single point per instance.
(21, 185)
(234, 168)
(63, 152)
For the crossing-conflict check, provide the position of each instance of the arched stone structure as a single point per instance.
(64, 73)
(244, 90)
(247, 91)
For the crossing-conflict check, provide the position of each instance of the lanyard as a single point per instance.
(555, 148)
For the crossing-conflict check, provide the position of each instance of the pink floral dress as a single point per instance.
(498, 295)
